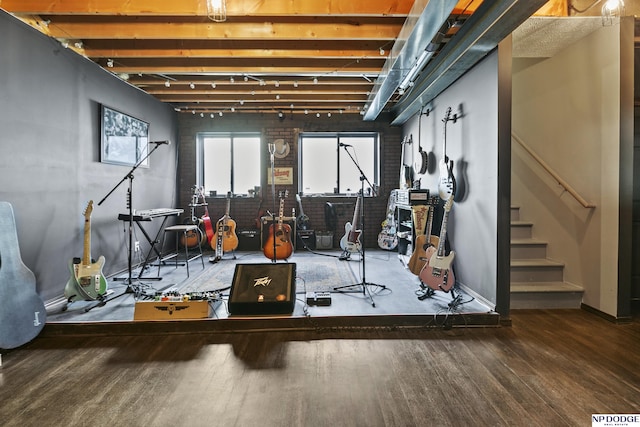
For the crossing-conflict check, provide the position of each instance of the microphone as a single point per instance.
(161, 142)
(345, 145)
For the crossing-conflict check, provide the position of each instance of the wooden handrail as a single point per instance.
(551, 172)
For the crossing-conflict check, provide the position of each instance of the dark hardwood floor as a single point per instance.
(550, 368)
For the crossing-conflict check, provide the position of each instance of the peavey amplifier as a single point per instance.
(268, 288)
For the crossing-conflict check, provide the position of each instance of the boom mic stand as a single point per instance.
(131, 289)
(272, 152)
(364, 284)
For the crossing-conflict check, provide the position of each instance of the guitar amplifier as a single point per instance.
(249, 240)
(267, 288)
(305, 239)
(412, 197)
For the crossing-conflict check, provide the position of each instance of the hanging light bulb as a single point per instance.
(217, 10)
(611, 10)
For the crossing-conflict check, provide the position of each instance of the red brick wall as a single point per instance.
(245, 211)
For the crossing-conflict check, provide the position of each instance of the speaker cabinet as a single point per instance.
(268, 288)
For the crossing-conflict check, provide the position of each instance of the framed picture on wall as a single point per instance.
(124, 139)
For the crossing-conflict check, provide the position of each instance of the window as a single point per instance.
(327, 167)
(228, 162)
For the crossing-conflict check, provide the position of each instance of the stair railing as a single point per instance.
(551, 172)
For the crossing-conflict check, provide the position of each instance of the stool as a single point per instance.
(184, 229)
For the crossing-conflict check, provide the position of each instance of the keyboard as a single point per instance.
(149, 214)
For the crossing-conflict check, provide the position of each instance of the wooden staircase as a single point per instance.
(537, 281)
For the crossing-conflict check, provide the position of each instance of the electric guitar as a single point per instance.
(388, 237)
(350, 242)
(423, 242)
(87, 281)
(302, 222)
(447, 182)
(437, 272)
(278, 244)
(227, 239)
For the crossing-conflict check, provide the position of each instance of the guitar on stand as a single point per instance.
(194, 238)
(226, 238)
(87, 283)
(302, 222)
(388, 237)
(422, 219)
(278, 244)
(350, 242)
(437, 273)
(206, 219)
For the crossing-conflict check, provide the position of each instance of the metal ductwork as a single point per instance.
(410, 52)
(480, 34)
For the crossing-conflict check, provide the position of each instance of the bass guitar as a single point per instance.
(388, 237)
(22, 311)
(87, 281)
(437, 273)
(302, 222)
(423, 241)
(278, 244)
(350, 242)
(227, 239)
(447, 182)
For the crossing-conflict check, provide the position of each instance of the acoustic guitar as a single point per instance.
(350, 242)
(278, 244)
(193, 238)
(227, 237)
(22, 311)
(437, 273)
(423, 241)
(86, 281)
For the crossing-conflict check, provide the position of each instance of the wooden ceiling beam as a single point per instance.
(232, 53)
(198, 7)
(210, 30)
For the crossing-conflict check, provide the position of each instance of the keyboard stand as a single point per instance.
(152, 243)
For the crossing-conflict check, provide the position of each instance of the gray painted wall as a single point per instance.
(50, 166)
(472, 143)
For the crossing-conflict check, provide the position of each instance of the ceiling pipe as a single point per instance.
(479, 35)
(422, 25)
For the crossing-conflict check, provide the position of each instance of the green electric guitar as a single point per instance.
(87, 283)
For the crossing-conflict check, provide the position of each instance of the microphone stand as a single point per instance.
(364, 284)
(130, 288)
(272, 151)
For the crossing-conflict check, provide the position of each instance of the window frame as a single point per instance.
(200, 139)
(375, 180)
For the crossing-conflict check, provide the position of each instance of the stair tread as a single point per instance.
(521, 223)
(535, 262)
(518, 287)
(527, 241)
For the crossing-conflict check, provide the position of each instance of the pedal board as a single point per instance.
(319, 298)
